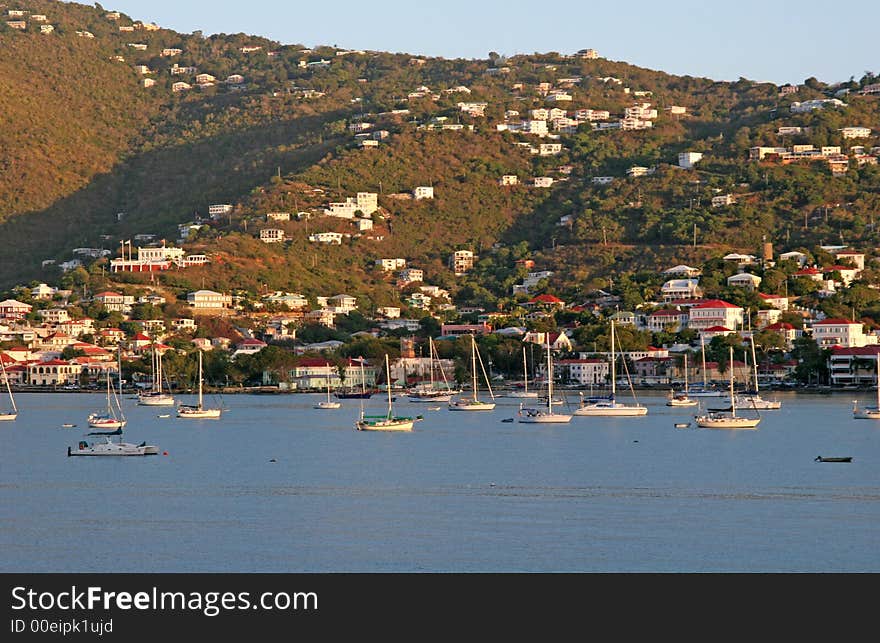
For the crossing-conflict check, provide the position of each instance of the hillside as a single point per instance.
(91, 156)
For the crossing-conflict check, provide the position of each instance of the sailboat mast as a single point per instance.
(613, 366)
(703, 350)
(474, 362)
(8, 388)
(388, 384)
(525, 371)
(754, 362)
(685, 374)
(549, 379)
(732, 397)
(200, 378)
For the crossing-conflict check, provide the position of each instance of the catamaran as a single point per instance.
(12, 412)
(389, 421)
(198, 411)
(536, 415)
(610, 406)
(474, 403)
(727, 419)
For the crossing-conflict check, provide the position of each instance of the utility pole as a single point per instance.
(695, 235)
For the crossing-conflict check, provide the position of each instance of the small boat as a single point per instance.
(68, 425)
(507, 420)
(164, 415)
(328, 403)
(434, 408)
(819, 458)
(682, 425)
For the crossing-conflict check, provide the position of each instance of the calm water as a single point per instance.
(463, 492)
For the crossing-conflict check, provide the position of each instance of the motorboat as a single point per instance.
(820, 458)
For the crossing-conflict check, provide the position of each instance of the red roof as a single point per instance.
(314, 361)
(108, 294)
(140, 337)
(252, 342)
(54, 362)
(836, 320)
(857, 350)
(545, 299)
(808, 271)
(717, 329)
(765, 296)
(667, 313)
(780, 326)
(715, 303)
(833, 268)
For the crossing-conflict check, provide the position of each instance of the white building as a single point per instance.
(461, 261)
(423, 192)
(271, 235)
(715, 312)
(688, 159)
(841, 332)
(208, 300)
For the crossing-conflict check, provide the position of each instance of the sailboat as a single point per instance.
(753, 398)
(534, 415)
(155, 396)
(610, 406)
(429, 392)
(682, 399)
(198, 411)
(868, 412)
(705, 390)
(389, 421)
(328, 403)
(474, 403)
(727, 419)
(108, 419)
(351, 392)
(525, 392)
(11, 413)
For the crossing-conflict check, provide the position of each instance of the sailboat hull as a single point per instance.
(534, 416)
(682, 402)
(612, 410)
(384, 424)
(198, 414)
(7, 417)
(155, 400)
(710, 422)
(471, 405)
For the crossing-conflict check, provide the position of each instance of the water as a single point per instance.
(464, 492)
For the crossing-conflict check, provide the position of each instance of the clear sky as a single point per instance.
(764, 40)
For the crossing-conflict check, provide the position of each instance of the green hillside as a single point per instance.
(91, 157)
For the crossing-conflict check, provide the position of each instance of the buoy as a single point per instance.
(273, 460)
(164, 453)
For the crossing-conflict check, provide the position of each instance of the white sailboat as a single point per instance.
(753, 399)
(108, 419)
(682, 399)
(389, 421)
(198, 411)
(12, 412)
(474, 403)
(868, 412)
(525, 393)
(430, 392)
(727, 419)
(705, 390)
(328, 403)
(610, 406)
(535, 415)
(155, 396)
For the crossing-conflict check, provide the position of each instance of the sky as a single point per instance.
(777, 41)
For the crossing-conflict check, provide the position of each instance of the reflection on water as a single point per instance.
(277, 486)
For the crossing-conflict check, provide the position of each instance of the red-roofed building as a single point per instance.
(248, 347)
(788, 332)
(140, 341)
(12, 309)
(53, 372)
(841, 332)
(545, 301)
(707, 334)
(847, 273)
(777, 301)
(854, 365)
(111, 336)
(715, 312)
